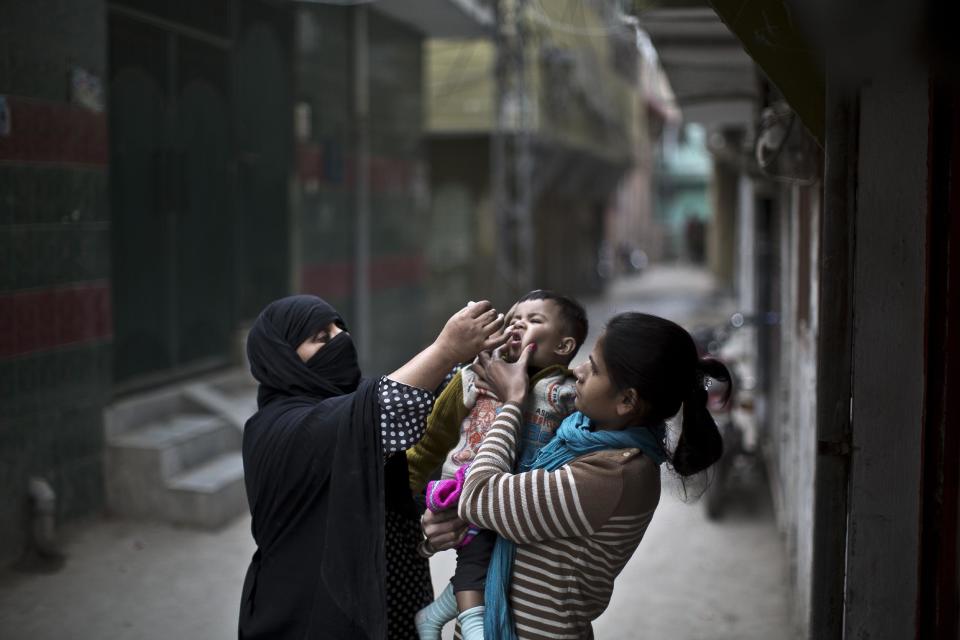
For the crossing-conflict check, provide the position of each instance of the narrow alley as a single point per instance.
(691, 579)
(782, 178)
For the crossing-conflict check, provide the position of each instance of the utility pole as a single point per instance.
(512, 149)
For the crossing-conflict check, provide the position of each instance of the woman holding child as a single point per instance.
(569, 524)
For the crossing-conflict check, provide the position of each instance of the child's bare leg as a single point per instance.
(469, 600)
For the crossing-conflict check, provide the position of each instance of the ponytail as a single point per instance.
(658, 359)
(700, 444)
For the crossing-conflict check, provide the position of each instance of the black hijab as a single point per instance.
(272, 350)
(288, 475)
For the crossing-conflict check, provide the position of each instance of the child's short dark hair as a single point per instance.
(572, 314)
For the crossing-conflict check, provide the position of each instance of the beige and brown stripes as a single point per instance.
(576, 528)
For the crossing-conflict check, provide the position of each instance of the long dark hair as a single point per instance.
(658, 359)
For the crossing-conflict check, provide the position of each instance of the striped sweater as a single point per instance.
(575, 528)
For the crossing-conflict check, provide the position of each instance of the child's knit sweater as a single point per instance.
(464, 413)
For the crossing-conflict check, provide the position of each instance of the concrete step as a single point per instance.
(141, 462)
(234, 405)
(173, 453)
(208, 495)
(177, 442)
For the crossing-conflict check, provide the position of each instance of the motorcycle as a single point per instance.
(733, 343)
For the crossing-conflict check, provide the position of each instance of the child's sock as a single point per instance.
(471, 623)
(431, 618)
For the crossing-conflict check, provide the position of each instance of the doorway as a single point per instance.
(200, 156)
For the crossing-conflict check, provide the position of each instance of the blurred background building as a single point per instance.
(167, 168)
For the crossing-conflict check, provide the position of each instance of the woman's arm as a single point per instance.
(403, 412)
(468, 332)
(573, 501)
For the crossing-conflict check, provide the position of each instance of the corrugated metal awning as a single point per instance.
(712, 56)
(714, 81)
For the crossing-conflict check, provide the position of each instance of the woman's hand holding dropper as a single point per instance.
(475, 328)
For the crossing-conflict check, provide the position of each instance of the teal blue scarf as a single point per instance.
(574, 438)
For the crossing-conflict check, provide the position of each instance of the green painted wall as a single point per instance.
(682, 186)
(325, 218)
(54, 232)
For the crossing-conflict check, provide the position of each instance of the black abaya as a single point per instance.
(313, 460)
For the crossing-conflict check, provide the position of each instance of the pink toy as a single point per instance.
(444, 494)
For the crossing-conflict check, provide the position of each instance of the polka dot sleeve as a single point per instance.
(403, 414)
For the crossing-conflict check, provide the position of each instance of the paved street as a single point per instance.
(690, 579)
(132, 581)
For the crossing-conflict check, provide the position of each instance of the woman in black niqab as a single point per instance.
(314, 471)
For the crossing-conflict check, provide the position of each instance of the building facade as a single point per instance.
(169, 168)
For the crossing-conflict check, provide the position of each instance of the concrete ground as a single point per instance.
(128, 580)
(691, 579)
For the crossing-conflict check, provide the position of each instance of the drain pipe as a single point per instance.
(43, 508)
